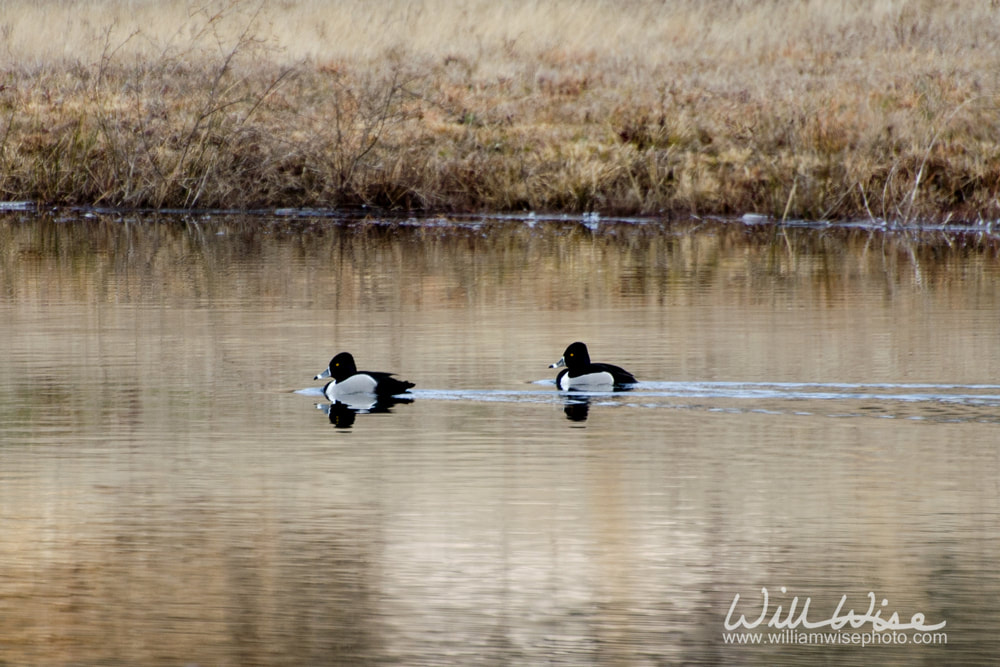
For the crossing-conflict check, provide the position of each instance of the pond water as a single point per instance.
(817, 417)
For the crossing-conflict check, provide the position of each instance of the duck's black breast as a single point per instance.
(559, 378)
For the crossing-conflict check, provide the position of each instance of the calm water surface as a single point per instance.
(818, 415)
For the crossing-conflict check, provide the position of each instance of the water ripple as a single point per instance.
(944, 402)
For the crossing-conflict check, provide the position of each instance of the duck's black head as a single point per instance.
(576, 355)
(342, 367)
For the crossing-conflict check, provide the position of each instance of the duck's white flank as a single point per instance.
(356, 384)
(590, 381)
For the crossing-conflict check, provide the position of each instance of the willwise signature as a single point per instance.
(795, 617)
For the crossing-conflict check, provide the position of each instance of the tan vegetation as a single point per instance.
(816, 109)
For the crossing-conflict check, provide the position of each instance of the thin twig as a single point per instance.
(927, 154)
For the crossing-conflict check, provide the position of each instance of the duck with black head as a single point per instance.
(347, 380)
(582, 374)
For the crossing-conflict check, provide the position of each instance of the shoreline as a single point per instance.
(981, 234)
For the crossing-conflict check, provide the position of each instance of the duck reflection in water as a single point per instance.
(577, 408)
(342, 413)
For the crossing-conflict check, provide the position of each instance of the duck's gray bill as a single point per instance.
(558, 364)
(324, 374)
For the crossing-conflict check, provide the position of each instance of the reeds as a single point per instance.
(885, 109)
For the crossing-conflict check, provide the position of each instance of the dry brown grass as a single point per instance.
(817, 109)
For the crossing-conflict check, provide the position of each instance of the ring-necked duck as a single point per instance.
(582, 374)
(347, 380)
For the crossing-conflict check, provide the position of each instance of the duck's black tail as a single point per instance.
(390, 386)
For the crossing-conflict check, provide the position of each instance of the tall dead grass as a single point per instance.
(878, 108)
